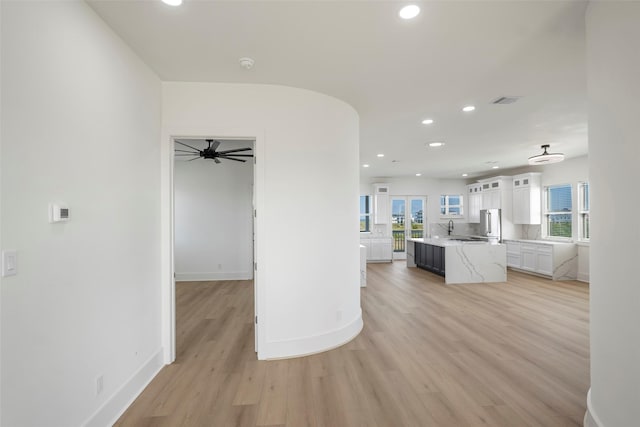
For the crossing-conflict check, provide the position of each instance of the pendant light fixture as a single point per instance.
(545, 157)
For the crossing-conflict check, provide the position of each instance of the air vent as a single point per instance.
(506, 100)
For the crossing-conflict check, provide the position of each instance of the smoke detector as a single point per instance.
(247, 63)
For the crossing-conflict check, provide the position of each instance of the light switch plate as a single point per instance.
(9, 263)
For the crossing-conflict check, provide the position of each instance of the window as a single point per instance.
(583, 210)
(558, 211)
(365, 214)
(451, 205)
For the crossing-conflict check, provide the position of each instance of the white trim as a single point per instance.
(319, 343)
(590, 417)
(202, 277)
(114, 406)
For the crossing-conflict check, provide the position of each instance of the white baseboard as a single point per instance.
(205, 277)
(583, 277)
(590, 417)
(306, 346)
(115, 406)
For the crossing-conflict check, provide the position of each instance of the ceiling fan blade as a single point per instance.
(215, 145)
(238, 155)
(217, 160)
(195, 158)
(231, 158)
(182, 143)
(187, 154)
(185, 151)
(235, 150)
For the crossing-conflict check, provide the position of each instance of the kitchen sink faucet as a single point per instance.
(450, 228)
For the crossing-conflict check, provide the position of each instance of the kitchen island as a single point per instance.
(459, 261)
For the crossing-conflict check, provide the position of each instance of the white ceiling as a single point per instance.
(394, 72)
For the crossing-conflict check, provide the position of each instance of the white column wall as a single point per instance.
(81, 117)
(613, 67)
(307, 179)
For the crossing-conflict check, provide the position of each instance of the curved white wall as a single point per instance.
(307, 186)
(613, 67)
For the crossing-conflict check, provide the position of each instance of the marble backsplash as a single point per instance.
(531, 232)
(459, 229)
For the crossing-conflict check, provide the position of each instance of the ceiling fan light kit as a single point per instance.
(210, 152)
(546, 158)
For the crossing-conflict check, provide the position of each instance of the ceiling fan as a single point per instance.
(211, 153)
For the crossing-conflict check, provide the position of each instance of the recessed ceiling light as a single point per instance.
(468, 108)
(495, 167)
(409, 12)
(436, 144)
(365, 166)
(172, 2)
(427, 121)
(418, 174)
(380, 155)
(465, 174)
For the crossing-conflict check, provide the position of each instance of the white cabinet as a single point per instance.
(526, 199)
(492, 192)
(378, 249)
(474, 193)
(513, 254)
(529, 258)
(537, 258)
(554, 259)
(381, 204)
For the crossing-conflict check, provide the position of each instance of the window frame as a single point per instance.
(583, 211)
(367, 214)
(447, 206)
(546, 214)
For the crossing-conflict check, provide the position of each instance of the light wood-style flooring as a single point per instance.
(503, 354)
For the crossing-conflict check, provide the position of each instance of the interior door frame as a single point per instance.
(167, 260)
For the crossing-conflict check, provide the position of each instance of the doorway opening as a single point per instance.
(213, 245)
(407, 221)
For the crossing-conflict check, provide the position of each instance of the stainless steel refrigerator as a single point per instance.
(490, 224)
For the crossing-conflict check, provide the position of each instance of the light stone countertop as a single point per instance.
(444, 242)
(541, 242)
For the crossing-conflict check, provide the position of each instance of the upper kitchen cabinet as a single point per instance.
(474, 194)
(526, 199)
(381, 204)
(493, 192)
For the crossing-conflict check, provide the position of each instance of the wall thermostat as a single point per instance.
(58, 212)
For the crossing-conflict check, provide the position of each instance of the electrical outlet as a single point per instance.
(99, 385)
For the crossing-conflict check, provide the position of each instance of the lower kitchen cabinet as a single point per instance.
(553, 259)
(378, 249)
(430, 258)
(514, 255)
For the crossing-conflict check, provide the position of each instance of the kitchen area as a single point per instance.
(468, 232)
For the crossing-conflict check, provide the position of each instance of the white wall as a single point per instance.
(80, 124)
(419, 186)
(213, 218)
(613, 67)
(307, 200)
